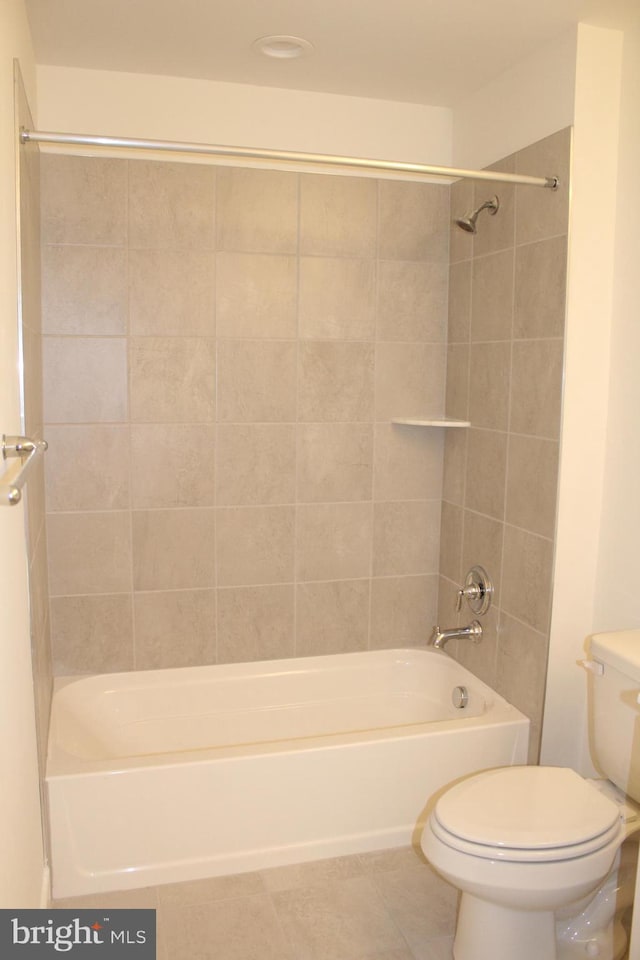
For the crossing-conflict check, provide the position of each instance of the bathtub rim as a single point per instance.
(63, 764)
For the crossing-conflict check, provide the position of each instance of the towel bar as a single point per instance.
(26, 452)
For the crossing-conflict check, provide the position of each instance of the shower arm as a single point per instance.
(489, 205)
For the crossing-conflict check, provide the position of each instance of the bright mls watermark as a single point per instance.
(78, 934)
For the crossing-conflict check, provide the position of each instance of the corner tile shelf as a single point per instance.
(432, 422)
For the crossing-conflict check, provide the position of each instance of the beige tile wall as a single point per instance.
(505, 356)
(224, 349)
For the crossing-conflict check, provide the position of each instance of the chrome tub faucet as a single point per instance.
(439, 638)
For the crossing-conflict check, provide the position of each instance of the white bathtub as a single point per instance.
(171, 775)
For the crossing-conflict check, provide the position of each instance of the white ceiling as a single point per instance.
(419, 51)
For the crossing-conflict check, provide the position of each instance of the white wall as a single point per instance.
(21, 858)
(532, 100)
(617, 601)
(170, 108)
(590, 293)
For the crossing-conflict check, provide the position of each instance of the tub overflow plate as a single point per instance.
(460, 697)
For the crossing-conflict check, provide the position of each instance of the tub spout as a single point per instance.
(439, 638)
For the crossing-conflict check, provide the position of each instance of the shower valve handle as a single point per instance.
(477, 591)
(464, 594)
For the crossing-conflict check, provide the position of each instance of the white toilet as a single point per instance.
(524, 843)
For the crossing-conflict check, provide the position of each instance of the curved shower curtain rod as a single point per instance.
(283, 156)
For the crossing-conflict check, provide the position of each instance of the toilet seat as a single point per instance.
(525, 814)
(523, 854)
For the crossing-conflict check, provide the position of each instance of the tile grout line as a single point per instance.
(215, 644)
(296, 468)
(134, 633)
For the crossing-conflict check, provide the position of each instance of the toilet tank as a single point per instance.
(614, 709)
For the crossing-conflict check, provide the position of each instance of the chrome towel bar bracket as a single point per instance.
(25, 451)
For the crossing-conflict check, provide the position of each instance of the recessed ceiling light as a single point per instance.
(282, 47)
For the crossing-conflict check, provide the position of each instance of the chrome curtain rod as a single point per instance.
(283, 156)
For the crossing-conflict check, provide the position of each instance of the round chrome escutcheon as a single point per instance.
(460, 697)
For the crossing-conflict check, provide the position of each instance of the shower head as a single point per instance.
(468, 223)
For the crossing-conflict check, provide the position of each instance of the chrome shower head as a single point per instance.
(468, 223)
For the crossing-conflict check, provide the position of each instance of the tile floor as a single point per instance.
(387, 905)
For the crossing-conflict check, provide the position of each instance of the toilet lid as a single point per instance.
(534, 809)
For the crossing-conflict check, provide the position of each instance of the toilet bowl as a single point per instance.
(520, 843)
(529, 847)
